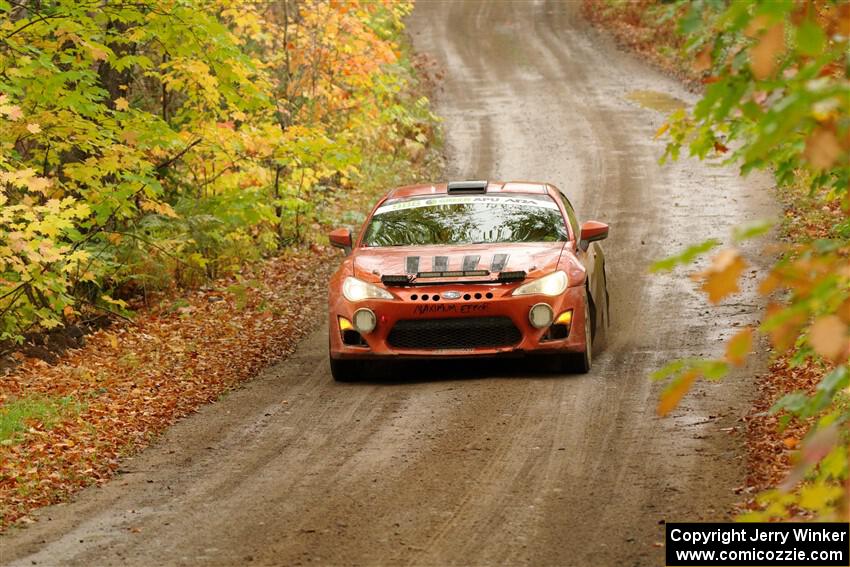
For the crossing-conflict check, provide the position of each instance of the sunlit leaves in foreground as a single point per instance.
(720, 279)
(809, 312)
(777, 97)
(162, 142)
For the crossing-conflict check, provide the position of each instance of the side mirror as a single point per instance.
(341, 238)
(591, 231)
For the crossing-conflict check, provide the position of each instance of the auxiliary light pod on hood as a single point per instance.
(411, 280)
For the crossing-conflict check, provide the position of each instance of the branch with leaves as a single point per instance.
(777, 92)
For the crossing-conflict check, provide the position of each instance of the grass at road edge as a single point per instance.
(18, 414)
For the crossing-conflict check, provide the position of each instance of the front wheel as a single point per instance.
(580, 362)
(346, 370)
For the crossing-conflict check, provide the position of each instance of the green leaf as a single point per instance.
(672, 368)
(686, 257)
(752, 230)
(810, 38)
(714, 369)
(794, 402)
(692, 20)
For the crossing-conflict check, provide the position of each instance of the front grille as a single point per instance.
(466, 332)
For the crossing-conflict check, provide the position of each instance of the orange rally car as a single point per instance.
(468, 268)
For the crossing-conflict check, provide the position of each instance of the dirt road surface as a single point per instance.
(475, 463)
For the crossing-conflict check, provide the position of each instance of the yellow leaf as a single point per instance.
(843, 19)
(818, 496)
(33, 128)
(660, 132)
(129, 137)
(769, 284)
(121, 103)
(822, 148)
(843, 311)
(68, 311)
(764, 55)
(163, 209)
(721, 278)
(673, 394)
(38, 184)
(118, 302)
(828, 336)
(739, 347)
(98, 54)
(11, 111)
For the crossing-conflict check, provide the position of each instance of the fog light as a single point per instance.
(364, 320)
(540, 316)
(565, 318)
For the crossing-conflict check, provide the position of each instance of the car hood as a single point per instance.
(537, 259)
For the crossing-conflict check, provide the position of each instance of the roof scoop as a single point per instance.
(467, 187)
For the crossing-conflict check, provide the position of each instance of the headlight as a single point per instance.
(553, 284)
(358, 290)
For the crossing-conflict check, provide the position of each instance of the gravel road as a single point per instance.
(472, 463)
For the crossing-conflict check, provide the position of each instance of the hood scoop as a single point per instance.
(445, 278)
(474, 263)
(441, 263)
(440, 271)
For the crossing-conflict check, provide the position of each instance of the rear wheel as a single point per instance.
(346, 370)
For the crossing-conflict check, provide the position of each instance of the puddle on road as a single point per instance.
(655, 100)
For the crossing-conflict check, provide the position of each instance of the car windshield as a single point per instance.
(467, 219)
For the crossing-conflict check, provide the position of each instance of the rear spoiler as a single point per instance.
(413, 279)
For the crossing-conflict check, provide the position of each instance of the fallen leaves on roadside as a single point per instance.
(633, 26)
(134, 380)
(769, 446)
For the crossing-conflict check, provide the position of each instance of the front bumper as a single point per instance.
(475, 302)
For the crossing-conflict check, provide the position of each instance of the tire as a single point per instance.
(581, 362)
(602, 330)
(607, 298)
(346, 370)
